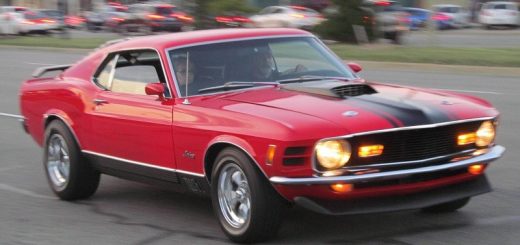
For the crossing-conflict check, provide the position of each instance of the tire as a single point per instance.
(447, 207)
(69, 174)
(257, 209)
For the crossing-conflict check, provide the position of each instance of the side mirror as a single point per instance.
(355, 67)
(155, 89)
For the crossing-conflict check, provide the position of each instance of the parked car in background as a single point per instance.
(287, 16)
(418, 17)
(450, 16)
(391, 21)
(75, 21)
(114, 21)
(151, 17)
(499, 14)
(56, 15)
(33, 22)
(258, 120)
(8, 19)
(231, 20)
(94, 21)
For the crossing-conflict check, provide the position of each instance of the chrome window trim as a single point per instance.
(492, 154)
(425, 126)
(143, 164)
(174, 82)
(135, 49)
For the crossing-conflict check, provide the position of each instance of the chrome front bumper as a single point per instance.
(492, 154)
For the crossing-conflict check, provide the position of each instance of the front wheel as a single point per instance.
(246, 205)
(447, 207)
(69, 174)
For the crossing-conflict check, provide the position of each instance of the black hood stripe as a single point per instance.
(406, 112)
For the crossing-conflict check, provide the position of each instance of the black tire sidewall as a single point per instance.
(259, 192)
(83, 180)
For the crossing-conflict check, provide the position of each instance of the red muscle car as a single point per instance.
(258, 119)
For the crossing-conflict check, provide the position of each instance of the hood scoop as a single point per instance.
(332, 88)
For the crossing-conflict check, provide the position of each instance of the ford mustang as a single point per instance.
(259, 120)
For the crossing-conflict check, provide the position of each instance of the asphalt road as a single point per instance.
(124, 212)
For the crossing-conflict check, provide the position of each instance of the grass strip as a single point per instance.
(502, 57)
(497, 57)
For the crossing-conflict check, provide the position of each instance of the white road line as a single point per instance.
(16, 190)
(40, 64)
(11, 115)
(469, 91)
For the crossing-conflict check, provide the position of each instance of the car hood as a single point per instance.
(367, 106)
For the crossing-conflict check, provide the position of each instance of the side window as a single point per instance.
(130, 72)
(105, 75)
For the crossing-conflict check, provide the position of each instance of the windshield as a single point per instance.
(253, 61)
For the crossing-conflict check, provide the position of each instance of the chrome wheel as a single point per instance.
(234, 196)
(58, 162)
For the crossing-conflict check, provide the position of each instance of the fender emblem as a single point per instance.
(350, 113)
(188, 154)
(446, 102)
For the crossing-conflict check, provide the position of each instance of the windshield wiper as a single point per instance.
(236, 85)
(310, 79)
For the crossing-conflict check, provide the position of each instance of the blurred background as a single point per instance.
(365, 29)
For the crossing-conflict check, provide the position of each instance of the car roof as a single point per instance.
(165, 41)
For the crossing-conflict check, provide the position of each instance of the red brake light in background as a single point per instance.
(48, 21)
(223, 19)
(441, 17)
(383, 3)
(241, 19)
(183, 17)
(156, 17)
(118, 19)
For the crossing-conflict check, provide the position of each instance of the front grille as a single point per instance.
(353, 90)
(415, 144)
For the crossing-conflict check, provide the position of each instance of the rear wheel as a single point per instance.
(246, 205)
(447, 207)
(69, 174)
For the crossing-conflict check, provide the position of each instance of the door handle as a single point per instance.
(99, 101)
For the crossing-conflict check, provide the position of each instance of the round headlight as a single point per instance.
(485, 134)
(333, 154)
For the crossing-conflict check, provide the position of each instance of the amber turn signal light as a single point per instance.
(342, 188)
(271, 149)
(370, 150)
(466, 139)
(476, 169)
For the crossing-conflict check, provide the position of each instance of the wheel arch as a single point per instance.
(222, 142)
(51, 116)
